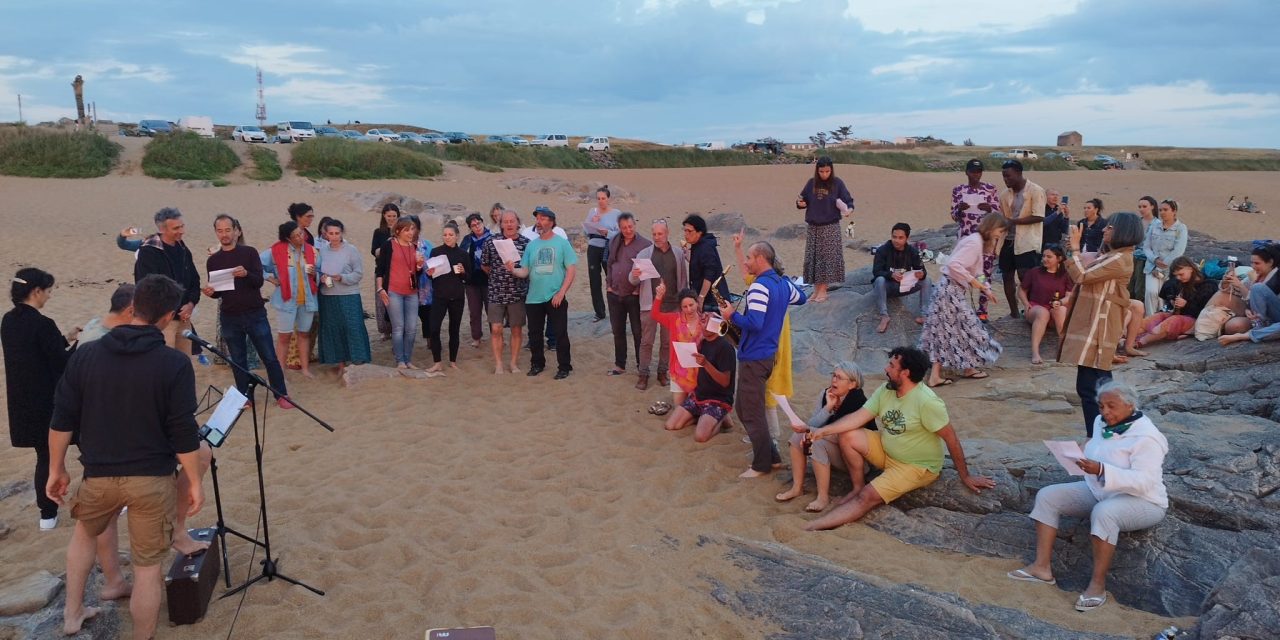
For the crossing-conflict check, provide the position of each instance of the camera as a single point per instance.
(1232, 262)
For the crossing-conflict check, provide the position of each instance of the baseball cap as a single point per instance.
(543, 211)
(973, 165)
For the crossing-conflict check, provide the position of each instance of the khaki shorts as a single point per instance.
(152, 502)
(899, 478)
(512, 312)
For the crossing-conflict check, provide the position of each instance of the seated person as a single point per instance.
(1123, 490)
(1185, 296)
(1045, 294)
(685, 325)
(842, 398)
(908, 449)
(712, 397)
(892, 262)
(1262, 319)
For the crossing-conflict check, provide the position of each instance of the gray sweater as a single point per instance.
(344, 261)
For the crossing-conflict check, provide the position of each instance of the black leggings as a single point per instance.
(48, 508)
(438, 309)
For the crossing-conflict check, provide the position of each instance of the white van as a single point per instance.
(550, 140)
(295, 131)
(1023, 154)
(201, 125)
(712, 146)
(594, 143)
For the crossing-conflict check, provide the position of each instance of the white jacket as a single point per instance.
(1133, 462)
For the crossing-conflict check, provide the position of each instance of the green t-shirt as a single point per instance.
(547, 262)
(908, 425)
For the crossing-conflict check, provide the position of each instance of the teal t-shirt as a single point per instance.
(908, 425)
(547, 262)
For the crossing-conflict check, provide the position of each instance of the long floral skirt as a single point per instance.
(823, 254)
(952, 333)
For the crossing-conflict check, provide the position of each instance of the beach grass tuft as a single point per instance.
(336, 158)
(187, 156)
(266, 164)
(685, 157)
(1214, 164)
(884, 159)
(36, 153)
(505, 155)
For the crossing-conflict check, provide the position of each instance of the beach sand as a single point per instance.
(543, 508)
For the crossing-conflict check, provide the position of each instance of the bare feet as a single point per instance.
(498, 370)
(435, 368)
(1035, 359)
(919, 319)
(402, 365)
(1133, 351)
(453, 365)
(884, 324)
(410, 365)
(306, 373)
(821, 298)
(71, 623)
(184, 544)
(515, 368)
(848, 496)
(751, 473)
(818, 506)
(115, 591)
(789, 494)
(1119, 358)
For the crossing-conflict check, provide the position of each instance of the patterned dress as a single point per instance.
(953, 335)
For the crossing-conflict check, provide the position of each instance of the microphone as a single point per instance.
(191, 335)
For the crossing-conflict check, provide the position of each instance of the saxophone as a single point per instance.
(727, 328)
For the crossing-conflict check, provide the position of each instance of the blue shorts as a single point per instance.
(297, 320)
(714, 408)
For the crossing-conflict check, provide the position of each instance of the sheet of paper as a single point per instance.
(647, 270)
(507, 250)
(222, 280)
(1066, 452)
(844, 208)
(787, 410)
(909, 281)
(973, 199)
(440, 264)
(225, 414)
(684, 353)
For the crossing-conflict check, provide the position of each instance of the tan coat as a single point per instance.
(1096, 321)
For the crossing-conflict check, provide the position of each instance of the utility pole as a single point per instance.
(20, 108)
(262, 101)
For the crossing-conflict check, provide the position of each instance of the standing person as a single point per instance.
(386, 222)
(953, 336)
(970, 203)
(623, 296)
(449, 294)
(35, 353)
(600, 227)
(506, 295)
(1165, 241)
(825, 199)
(1046, 295)
(761, 324)
(495, 218)
(1147, 207)
(242, 317)
(1095, 321)
(704, 262)
(120, 312)
(477, 278)
(685, 325)
(290, 264)
(303, 214)
(841, 398)
(779, 382)
(396, 277)
(668, 260)
(1092, 226)
(712, 397)
(1057, 217)
(132, 403)
(343, 338)
(894, 259)
(166, 254)
(426, 288)
(550, 265)
(1022, 203)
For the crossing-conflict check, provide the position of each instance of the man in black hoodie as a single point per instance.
(166, 254)
(894, 260)
(133, 401)
(704, 263)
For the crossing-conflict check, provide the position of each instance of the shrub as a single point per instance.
(684, 157)
(1214, 164)
(505, 155)
(37, 153)
(886, 159)
(187, 156)
(266, 164)
(337, 158)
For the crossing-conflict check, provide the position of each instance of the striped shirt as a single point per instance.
(761, 322)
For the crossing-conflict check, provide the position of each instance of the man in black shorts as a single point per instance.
(712, 397)
(1023, 204)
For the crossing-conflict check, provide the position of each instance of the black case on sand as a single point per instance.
(189, 584)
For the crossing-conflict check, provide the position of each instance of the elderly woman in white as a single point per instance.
(1123, 490)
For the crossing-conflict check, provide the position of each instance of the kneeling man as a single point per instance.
(913, 427)
(712, 397)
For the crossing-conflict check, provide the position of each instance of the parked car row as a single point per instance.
(297, 131)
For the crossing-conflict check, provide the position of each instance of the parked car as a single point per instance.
(1049, 155)
(457, 137)
(435, 138)
(150, 128)
(1023, 154)
(518, 141)
(416, 138)
(382, 135)
(200, 125)
(999, 155)
(496, 139)
(1067, 156)
(295, 131)
(349, 134)
(325, 131)
(550, 140)
(249, 133)
(711, 146)
(594, 143)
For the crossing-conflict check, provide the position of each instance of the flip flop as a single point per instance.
(1090, 603)
(1021, 574)
(945, 382)
(978, 375)
(615, 372)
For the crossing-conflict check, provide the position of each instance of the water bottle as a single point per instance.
(1167, 634)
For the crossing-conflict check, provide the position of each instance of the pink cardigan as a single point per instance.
(965, 263)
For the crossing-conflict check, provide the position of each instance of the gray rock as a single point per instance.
(791, 231)
(4, 530)
(14, 488)
(28, 594)
(46, 622)
(1246, 603)
(728, 223)
(1052, 406)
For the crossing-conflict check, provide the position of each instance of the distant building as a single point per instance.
(1070, 139)
(905, 140)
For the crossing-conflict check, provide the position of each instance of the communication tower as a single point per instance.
(262, 102)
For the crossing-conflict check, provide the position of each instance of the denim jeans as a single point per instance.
(886, 289)
(1264, 303)
(254, 327)
(404, 325)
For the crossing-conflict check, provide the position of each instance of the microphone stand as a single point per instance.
(270, 565)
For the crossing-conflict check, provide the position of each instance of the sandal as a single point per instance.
(943, 383)
(1089, 603)
(978, 375)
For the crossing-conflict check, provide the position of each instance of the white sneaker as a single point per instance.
(49, 524)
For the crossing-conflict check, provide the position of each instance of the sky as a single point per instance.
(1138, 72)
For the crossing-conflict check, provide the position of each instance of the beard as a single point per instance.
(892, 384)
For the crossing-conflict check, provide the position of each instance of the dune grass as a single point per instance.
(505, 155)
(36, 153)
(885, 159)
(1214, 164)
(266, 164)
(685, 157)
(337, 158)
(187, 156)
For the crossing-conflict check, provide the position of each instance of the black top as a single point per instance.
(133, 401)
(35, 353)
(704, 265)
(474, 247)
(721, 354)
(380, 237)
(1055, 226)
(451, 286)
(247, 297)
(170, 260)
(852, 402)
(889, 258)
(1091, 236)
(1196, 299)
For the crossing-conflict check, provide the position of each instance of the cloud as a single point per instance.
(305, 92)
(109, 69)
(282, 59)
(911, 66)
(756, 16)
(907, 16)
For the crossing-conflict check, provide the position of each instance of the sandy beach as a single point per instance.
(543, 508)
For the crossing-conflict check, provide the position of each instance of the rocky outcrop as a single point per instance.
(45, 621)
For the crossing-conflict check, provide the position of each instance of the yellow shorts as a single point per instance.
(899, 478)
(152, 502)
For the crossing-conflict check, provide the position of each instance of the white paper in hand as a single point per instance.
(440, 264)
(844, 208)
(507, 250)
(222, 280)
(647, 270)
(787, 410)
(1066, 452)
(684, 354)
(224, 416)
(909, 281)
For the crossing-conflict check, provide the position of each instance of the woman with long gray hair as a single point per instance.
(842, 397)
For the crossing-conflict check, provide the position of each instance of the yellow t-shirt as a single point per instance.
(780, 380)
